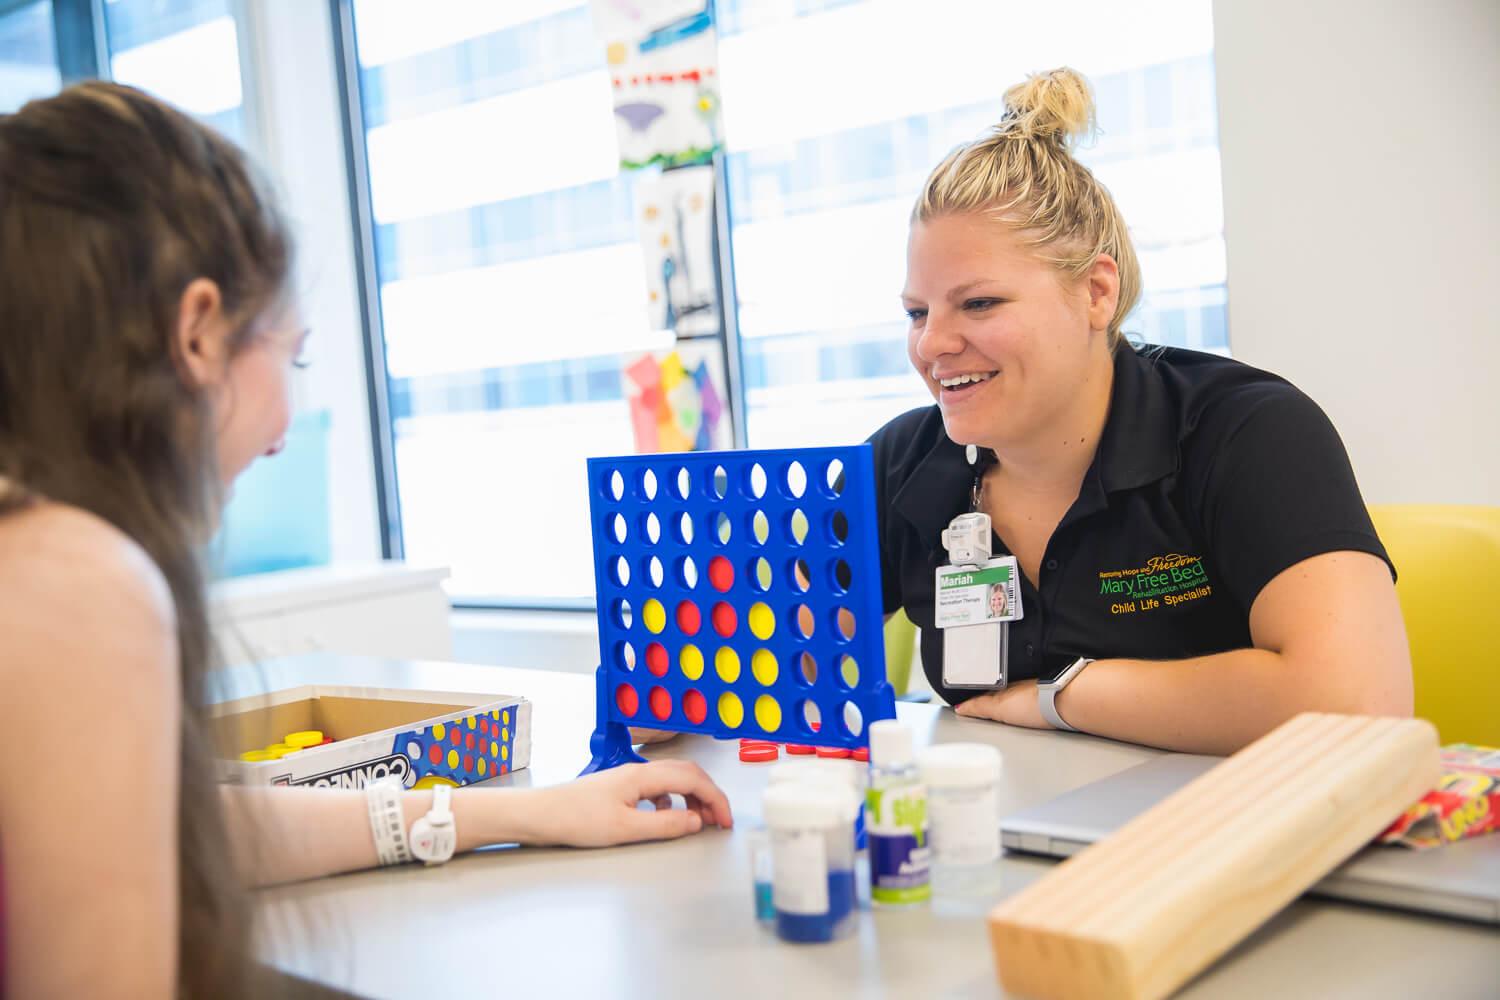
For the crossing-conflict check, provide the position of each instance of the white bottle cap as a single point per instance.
(801, 805)
(959, 765)
(841, 776)
(839, 772)
(890, 743)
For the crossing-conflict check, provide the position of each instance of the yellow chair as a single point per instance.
(900, 646)
(1446, 560)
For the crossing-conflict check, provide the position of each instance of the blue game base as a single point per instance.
(610, 744)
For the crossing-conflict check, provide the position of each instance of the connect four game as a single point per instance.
(738, 595)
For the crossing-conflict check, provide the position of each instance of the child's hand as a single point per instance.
(600, 809)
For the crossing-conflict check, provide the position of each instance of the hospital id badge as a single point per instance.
(970, 595)
(974, 607)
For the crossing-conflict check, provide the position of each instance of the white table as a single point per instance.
(675, 919)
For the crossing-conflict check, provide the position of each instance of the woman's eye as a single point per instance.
(916, 314)
(979, 305)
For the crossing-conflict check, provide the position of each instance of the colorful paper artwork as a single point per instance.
(675, 215)
(662, 58)
(678, 403)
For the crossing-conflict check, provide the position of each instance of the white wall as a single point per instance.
(1361, 157)
(296, 132)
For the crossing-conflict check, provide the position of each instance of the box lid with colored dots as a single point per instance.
(419, 737)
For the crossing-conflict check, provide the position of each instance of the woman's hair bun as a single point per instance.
(1056, 105)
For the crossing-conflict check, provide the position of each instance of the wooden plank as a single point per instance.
(1139, 913)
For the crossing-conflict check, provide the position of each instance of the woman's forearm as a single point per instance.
(1208, 704)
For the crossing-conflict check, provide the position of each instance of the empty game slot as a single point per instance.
(793, 480)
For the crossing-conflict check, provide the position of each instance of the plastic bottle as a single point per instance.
(845, 773)
(811, 826)
(758, 841)
(963, 807)
(896, 822)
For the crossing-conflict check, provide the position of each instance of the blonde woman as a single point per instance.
(1197, 563)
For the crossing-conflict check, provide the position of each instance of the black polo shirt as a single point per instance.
(1211, 477)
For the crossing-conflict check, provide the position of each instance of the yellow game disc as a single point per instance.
(282, 749)
(727, 663)
(763, 665)
(654, 615)
(255, 756)
(306, 738)
(767, 713)
(762, 621)
(692, 662)
(731, 712)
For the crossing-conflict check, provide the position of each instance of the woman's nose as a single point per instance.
(938, 338)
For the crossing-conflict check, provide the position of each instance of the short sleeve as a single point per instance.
(1276, 488)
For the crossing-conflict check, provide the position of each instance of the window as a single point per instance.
(184, 51)
(819, 163)
(510, 281)
(28, 55)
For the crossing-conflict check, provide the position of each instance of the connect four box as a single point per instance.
(348, 737)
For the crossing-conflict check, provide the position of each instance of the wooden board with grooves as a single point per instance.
(1142, 911)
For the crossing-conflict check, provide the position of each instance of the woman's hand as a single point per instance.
(600, 809)
(1016, 706)
(641, 737)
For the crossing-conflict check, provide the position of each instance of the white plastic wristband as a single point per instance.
(433, 836)
(387, 823)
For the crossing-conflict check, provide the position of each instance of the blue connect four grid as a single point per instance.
(699, 566)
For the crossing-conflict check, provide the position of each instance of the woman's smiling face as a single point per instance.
(997, 333)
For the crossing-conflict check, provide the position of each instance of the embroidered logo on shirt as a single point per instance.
(1164, 581)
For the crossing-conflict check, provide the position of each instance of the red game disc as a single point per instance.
(838, 752)
(757, 754)
(747, 741)
(862, 753)
(798, 748)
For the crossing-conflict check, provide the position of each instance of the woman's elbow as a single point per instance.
(1385, 691)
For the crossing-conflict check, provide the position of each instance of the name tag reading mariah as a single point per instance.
(977, 595)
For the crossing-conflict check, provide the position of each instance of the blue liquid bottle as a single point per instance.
(811, 826)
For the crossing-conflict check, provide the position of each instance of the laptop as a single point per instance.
(1456, 880)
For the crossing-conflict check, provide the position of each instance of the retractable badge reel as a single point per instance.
(977, 598)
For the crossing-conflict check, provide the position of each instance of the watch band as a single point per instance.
(433, 837)
(1046, 693)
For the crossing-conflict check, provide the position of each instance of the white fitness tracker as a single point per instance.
(1046, 693)
(432, 836)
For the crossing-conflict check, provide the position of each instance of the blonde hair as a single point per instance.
(1022, 172)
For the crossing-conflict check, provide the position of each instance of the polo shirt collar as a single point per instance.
(1139, 446)
(937, 489)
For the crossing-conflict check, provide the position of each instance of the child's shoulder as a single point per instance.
(73, 581)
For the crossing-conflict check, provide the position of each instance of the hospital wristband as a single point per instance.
(387, 821)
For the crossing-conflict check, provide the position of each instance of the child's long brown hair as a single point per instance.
(111, 202)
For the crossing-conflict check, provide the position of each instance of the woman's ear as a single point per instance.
(200, 341)
(1104, 291)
